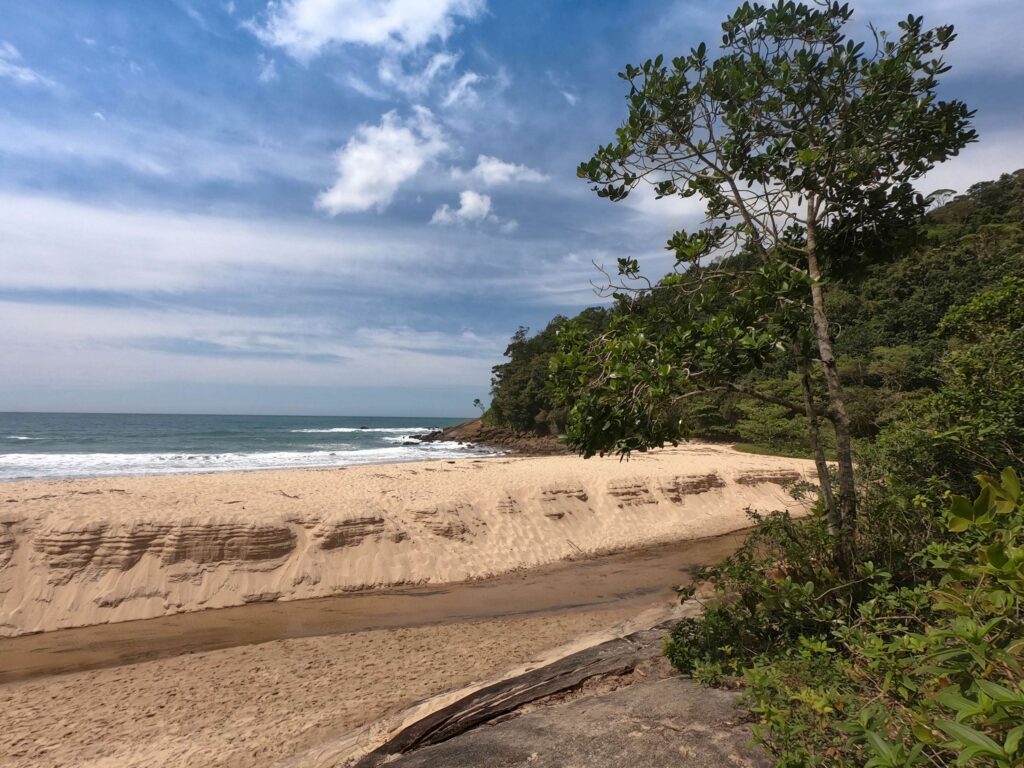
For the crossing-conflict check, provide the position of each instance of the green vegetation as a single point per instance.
(824, 309)
(872, 672)
(889, 346)
(919, 658)
(521, 399)
(804, 144)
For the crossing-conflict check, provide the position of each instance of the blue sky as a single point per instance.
(341, 206)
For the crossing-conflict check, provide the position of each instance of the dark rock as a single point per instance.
(475, 432)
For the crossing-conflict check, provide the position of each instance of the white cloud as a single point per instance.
(89, 346)
(997, 152)
(268, 70)
(362, 87)
(379, 159)
(472, 207)
(492, 172)
(54, 245)
(158, 151)
(572, 98)
(305, 27)
(462, 90)
(11, 69)
(988, 32)
(197, 17)
(391, 72)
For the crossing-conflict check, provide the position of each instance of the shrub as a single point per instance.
(870, 673)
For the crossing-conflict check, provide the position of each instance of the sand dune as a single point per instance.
(81, 552)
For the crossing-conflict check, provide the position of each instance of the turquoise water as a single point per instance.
(58, 445)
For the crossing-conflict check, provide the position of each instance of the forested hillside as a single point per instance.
(887, 319)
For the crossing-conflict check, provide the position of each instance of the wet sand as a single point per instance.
(628, 581)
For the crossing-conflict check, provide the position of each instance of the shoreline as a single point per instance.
(83, 552)
(259, 470)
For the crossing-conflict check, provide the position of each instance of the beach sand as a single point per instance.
(81, 552)
(252, 705)
(87, 552)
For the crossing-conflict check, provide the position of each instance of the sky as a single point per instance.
(343, 206)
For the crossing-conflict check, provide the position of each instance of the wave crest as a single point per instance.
(22, 466)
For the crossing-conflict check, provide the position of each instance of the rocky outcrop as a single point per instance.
(478, 433)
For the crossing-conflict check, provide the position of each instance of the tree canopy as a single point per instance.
(804, 145)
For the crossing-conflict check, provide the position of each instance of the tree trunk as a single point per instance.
(814, 422)
(846, 542)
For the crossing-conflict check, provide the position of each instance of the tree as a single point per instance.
(804, 145)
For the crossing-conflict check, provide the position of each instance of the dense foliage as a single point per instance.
(889, 342)
(521, 399)
(919, 659)
(872, 673)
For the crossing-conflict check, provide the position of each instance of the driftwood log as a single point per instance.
(613, 658)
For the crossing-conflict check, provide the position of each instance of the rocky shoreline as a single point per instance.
(476, 432)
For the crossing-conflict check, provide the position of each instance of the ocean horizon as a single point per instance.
(69, 445)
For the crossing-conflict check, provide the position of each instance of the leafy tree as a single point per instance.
(520, 399)
(804, 145)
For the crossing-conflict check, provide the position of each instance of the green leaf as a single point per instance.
(962, 508)
(996, 554)
(967, 735)
(1011, 483)
(958, 524)
(951, 698)
(998, 692)
(883, 748)
(1013, 740)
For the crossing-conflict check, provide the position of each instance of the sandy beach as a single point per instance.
(81, 552)
(86, 553)
(249, 706)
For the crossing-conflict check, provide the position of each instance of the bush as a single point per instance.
(869, 673)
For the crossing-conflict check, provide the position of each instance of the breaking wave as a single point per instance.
(20, 466)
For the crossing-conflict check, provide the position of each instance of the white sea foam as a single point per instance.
(20, 437)
(405, 430)
(19, 466)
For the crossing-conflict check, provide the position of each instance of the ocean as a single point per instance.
(66, 445)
